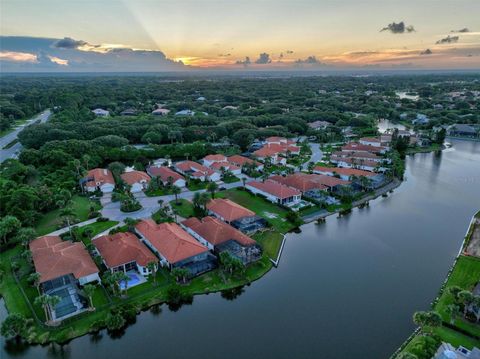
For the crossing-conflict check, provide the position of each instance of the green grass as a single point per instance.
(425, 346)
(195, 186)
(10, 144)
(260, 206)
(159, 192)
(95, 228)
(184, 208)
(52, 220)
(230, 179)
(270, 241)
(465, 275)
(432, 147)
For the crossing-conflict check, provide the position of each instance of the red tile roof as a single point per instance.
(241, 160)
(301, 181)
(359, 162)
(275, 188)
(187, 166)
(345, 171)
(171, 241)
(352, 146)
(164, 173)
(217, 232)
(228, 210)
(135, 177)
(370, 139)
(99, 175)
(226, 165)
(55, 258)
(215, 158)
(122, 248)
(356, 154)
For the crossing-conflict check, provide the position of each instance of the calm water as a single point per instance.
(344, 289)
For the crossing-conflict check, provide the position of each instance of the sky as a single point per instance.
(158, 35)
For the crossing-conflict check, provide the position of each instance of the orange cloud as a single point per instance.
(18, 56)
(58, 60)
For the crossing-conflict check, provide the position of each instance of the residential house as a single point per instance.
(463, 130)
(448, 351)
(197, 171)
(137, 180)
(241, 161)
(275, 192)
(361, 164)
(265, 152)
(237, 216)
(218, 236)
(354, 146)
(185, 113)
(421, 119)
(167, 176)
(160, 112)
(226, 166)
(63, 266)
(370, 141)
(126, 253)
(99, 179)
(358, 155)
(309, 182)
(175, 247)
(319, 125)
(129, 112)
(342, 173)
(211, 159)
(100, 112)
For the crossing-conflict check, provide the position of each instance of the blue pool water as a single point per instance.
(134, 279)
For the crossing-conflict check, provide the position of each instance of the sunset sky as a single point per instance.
(113, 35)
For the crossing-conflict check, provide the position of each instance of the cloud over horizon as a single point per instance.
(398, 28)
(448, 40)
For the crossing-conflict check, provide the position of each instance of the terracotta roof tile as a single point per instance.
(275, 188)
(228, 210)
(164, 173)
(121, 248)
(99, 175)
(171, 241)
(55, 258)
(135, 177)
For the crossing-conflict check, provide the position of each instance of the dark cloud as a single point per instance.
(224, 55)
(263, 59)
(245, 62)
(461, 30)
(398, 28)
(426, 52)
(69, 43)
(308, 60)
(448, 40)
(289, 52)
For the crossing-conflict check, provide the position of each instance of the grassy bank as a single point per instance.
(183, 207)
(52, 220)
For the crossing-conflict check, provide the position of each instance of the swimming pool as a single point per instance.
(134, 279)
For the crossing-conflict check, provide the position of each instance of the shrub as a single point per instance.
(114, 321)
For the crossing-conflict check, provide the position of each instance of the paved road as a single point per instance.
(13, 151)
(316, 156)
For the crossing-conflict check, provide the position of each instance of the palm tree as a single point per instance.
(452, 310)
(122, 277)
(25, 236)
(34, 278)
(86, 160)
(77, 164)
(180, 274)
(152, 267)
(176, 191)
(47, 301)
(89, 289)
(212, 187)
(67, 213)
(170, 180)
(244, 180)
(466, 298)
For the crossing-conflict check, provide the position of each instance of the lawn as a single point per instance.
(195, 186)
(52, 220)
(184, 208)
(159, 192)
(271, 242)
(465, 275)
(94, 228)
(274, 214)
(230, 179)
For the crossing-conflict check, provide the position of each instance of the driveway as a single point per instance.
(316, 156)
(12, 152)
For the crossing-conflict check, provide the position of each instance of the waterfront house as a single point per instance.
(308, 182)
(175, 247)
(448, 351)
(342, 173)
(126, 253)
(463, 130)
(64, 266)
(99, 179)
(354, 146)
(137, 180)
(370, 141)
(358, 155)
(218, 236)
(167, 176)
(236, 215)
(275, 192)
(361, 164)
(100, 112)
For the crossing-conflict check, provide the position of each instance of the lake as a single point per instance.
(343, 289)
